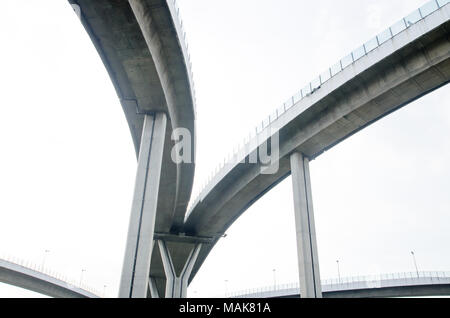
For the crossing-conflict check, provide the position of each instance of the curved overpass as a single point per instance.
(142, 46)
(141, 43)
(30, 279)
(403, 63)
(421, 284)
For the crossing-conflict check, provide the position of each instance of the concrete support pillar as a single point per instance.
(136, 267)
(177, 283)
(153, 290)
(308, 261)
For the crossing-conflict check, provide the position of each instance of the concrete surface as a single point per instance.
(307, 252)
(23, 277)
(406, 67)
(136, 269)
(141, 44)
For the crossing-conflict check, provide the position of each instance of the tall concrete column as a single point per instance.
(136, 267)
(177, 283)
(308, 261)
(152, 288)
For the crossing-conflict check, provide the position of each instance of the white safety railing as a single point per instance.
(260, 132)
(185, 47)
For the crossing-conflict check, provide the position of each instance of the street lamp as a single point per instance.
(226, 287)
(104, 291)
(81, 277)
(45, 256)
(339, 272)
(274, 279)
(415, 263)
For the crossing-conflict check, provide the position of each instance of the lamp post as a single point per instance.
(104, 291)
(81, 277)
(274, 279)
(339, 272)
(415, 263)
(226, 287)
(45, 258)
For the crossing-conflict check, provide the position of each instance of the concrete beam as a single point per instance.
(31, 279)
(401, 70)
(165, 46)
(308, 261)
(182, 238)
(176, 283)
(136, 267)
(147, 61)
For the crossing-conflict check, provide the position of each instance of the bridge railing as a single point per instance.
(352, 283)
(41, 269)
(261, 131)
(185, 47)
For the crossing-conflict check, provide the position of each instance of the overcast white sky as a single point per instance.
(67, 163)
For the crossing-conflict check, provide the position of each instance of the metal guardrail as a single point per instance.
(351, 283)
(51, 273)
(397, 28)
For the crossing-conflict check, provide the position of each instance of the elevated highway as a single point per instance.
(142, 45)
(415, 284)
(400, 65)
(422, 284)
(39, 282)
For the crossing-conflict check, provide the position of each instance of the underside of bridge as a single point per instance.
(24, 277)
(140, 43)
(410, 65)
(388, 292)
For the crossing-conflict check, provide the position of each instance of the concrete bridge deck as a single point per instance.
(142, 45)
(400, 65)
(139, 43)
(28, 278)
(150, 69)
(411, 284)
